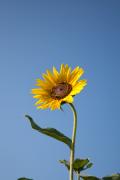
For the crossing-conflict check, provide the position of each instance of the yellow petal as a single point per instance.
(55, 105)
(43, 106)
(38, 102)
(66, 67)
(68, 75)
(76, 76)
(55, 72)
(43, 84)
(48, 79)
(68, 99)
(64, 73)
(62, 68)
(51, 77)
(37, 96)
(39, 92)
(44, 100)
(74, 71)
(78, 87)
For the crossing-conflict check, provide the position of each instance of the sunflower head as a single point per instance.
(58, 87)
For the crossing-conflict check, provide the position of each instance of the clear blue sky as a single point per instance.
(35, 35)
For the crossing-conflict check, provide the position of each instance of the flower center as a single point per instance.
(61, 90)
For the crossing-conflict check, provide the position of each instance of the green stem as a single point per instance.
(72, 151)
(78, 175)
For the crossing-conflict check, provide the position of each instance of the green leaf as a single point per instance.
(66, 163)
(112, 177)
(89, 178)
(81, 164)
(50, 132)
(78, 164)
(23, 178)
(89, 165)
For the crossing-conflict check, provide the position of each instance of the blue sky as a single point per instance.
(34, 36)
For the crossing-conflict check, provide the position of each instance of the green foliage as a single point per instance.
(81, 164)
(112, 177)
(23, 178)
(89, 178)
(78, 164)
(50, 132)
(66, 163)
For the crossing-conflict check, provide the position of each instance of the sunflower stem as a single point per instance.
(72, 151)
(78, 176)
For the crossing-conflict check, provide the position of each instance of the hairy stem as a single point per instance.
(72, 151)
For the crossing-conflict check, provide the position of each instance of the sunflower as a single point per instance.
(57, 88)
